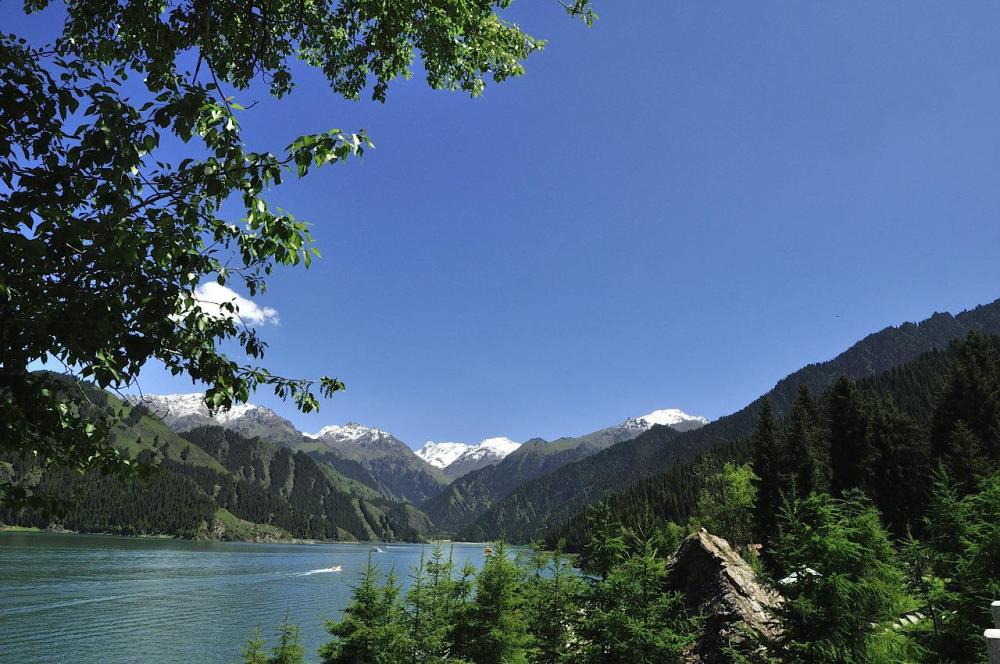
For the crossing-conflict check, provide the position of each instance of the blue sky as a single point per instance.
(674, 208)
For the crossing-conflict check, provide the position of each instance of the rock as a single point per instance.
(718, 584)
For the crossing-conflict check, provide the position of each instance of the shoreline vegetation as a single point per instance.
(56, 530)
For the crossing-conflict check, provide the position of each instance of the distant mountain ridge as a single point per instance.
(546, 502)
(390, 461)
(218, 483)
(472, 494)
(184, 412)
(458, 459)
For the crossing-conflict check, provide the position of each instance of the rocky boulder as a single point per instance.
(718, 584)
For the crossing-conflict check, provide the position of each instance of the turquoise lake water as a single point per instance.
(110, 600)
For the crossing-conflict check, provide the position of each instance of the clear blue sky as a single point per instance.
(675, 208)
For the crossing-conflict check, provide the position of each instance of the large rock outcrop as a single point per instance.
(721, 586)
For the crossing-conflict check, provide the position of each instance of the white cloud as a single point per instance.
(210, 295)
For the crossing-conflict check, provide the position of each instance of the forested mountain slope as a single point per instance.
(472, 494)
(914, 389)
(194, 492)
(550, 500)
(368, 455)
(395, 469)
(274, 485)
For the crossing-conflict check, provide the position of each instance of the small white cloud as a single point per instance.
(210, 295)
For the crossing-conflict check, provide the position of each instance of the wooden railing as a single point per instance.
(992, 636)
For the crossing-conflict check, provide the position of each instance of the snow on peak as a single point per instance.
(671, 417)
(441, 455)
(495, 448)
(352, 433)
(238, 411)
(175, 406)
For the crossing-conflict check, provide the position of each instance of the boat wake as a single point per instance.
(325, 570)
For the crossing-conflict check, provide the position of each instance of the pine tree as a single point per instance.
(964, 457)
(896, 476)
(843, 581)
(555, 596)
(372, 628)
(254, 652)
(804, 464)
(434, 604)
(496, 629)
(847, 436)
(605, 546)
(767, 449)
(963, 535)
(972, 399)
(288, 649)
(631, 618)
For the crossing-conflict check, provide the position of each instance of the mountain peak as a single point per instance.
(441, 455)
(460, 458)
(183, 412)
(671, 417)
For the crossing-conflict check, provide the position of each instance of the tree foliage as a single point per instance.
(846, 584)
(727, 503)
(98, 226)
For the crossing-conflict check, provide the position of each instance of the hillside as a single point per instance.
(195, 481)
(551, 500)
(474, 493)
(393, 467)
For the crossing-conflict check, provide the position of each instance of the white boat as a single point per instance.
(337, 568)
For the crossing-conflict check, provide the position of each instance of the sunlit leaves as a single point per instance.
(103, 243)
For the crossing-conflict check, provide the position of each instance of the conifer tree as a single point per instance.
(767, 449)
(727, 503)
(630, 616)
(843, 581)
(847, 436)
(496, 629)
(896, 475)
(555, 595)
(804, 469)
(254, 652)
(288, 649)
(605, 546)
(372, 628)
(963, 536)
(966, 428)
(434, 607)
(964, 457)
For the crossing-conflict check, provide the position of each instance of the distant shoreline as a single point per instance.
(163, 536)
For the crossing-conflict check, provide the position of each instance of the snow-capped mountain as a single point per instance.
(354, 435)
(440, 455)
(486, 453)
(490, 448)
(396, 468)
(631, 428)
(183, 412)
(457, 459)
(671, 417)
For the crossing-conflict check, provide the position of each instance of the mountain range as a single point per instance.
(377, 459)
(470, 495)
(547, 501)
(357, 481)
(457, 459)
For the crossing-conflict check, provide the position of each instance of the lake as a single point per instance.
(110, 600)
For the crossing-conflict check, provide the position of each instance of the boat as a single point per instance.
(337, 568)
(488, 551)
